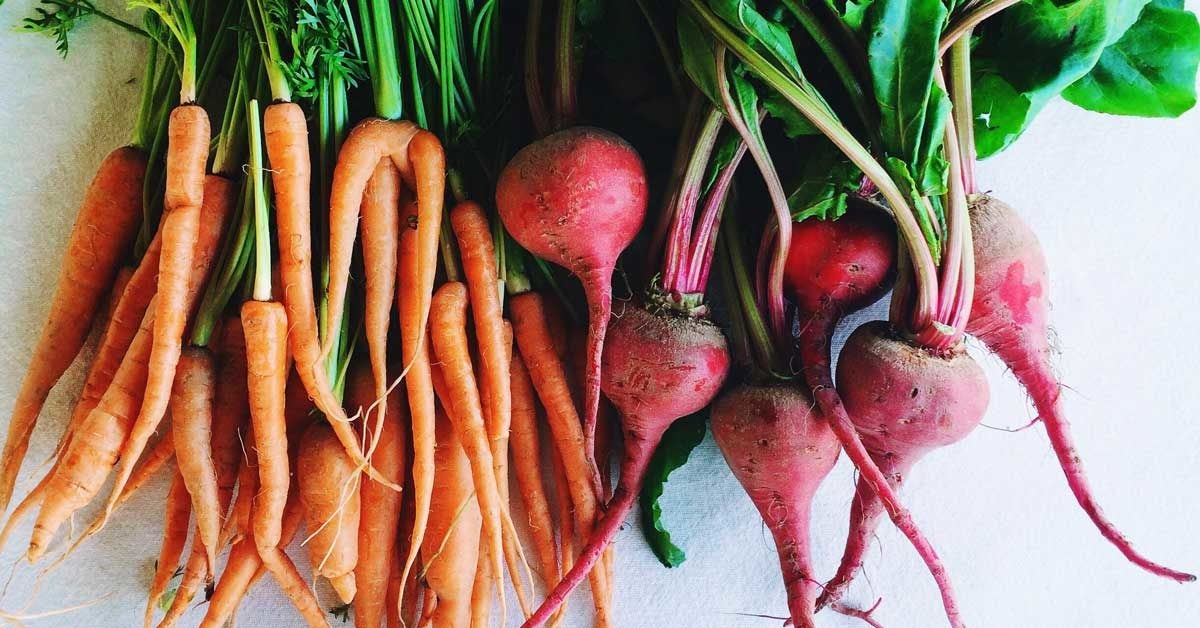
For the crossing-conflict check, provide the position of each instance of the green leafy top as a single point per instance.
(176, 18)
(673, 452)
(58, 18)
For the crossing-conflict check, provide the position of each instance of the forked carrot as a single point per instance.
(451, 548)
(108, 219)
(192, 431)
(175, 531)
(329, 488)
(381, 506)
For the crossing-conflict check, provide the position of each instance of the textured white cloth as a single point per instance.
(1115, 203)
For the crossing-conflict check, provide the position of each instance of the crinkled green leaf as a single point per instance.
(1150, 71)
(825, 182)
(1032, 52)
(677, 444)
(727, 147)
(902, 42)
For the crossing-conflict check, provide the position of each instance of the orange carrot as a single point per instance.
(545, 367)
(108, 219)
(527, 457)
(265, 326)
(94, 449)
(238, 525)
(175, 531)
(380, 244)
(191, 237)
(192, 431)
(381, 506)
(403, 605)
(419, 383)
(329, 489)
(449, 335)
(286, 133)
(479, 266)
(122, 326)
(451, 547)
(244, 567)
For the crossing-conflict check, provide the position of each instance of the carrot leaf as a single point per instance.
(57, 18)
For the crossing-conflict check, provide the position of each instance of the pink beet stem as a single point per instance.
(1036, 377)
(597, 287)
(816, 358)
(638, 452)
(706, 234)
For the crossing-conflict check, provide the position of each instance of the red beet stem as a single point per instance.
(638, 451)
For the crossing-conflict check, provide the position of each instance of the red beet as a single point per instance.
(577, 198)
(658, 367)
(904, 402)
(1010, 315)
(780, 450)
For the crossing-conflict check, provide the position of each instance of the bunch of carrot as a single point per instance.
(244, 297)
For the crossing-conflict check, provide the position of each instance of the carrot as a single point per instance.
(108, 219)
(93, 450)
(479, 266)
(264, 324)
(238, 525)
(449, 335)
(527, 457)
(419, 384)
(175, 531)
(244, 567)
(122, 327)
(418, 157)
(451, 547)
(286, 134)
(380, 244)
(329, 489)
(180, 279)
(381, 505)
(192, 431)
(537, 348)
(403, 606)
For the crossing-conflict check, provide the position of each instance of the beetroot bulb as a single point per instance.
(905, 401)
(1010, 315)
(780, 450)
(659, 365)
(835, 268)
(577, 198)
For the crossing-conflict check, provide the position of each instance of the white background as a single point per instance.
(1114, 201)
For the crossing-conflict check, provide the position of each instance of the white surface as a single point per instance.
(1115, 203)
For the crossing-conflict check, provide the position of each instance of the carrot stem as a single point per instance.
(262, 236)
